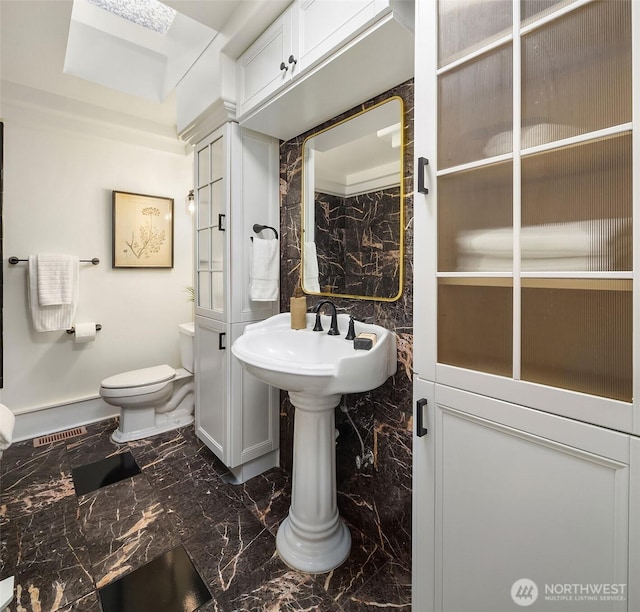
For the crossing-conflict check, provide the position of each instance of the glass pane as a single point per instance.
(475, 324)
(203, 207)
(577, 334)
(474, 220)
(577, 73)
(217, 201)
(466, 25)
(204, 249)
(217, 279)
(535, 9)
(203, 166)
(204, 290)
(577, 208)
(217, 160)
(475, 110)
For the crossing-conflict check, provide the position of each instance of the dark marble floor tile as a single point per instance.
(94, 445)
(268, 496)
(365, 559)
(102, 473)
(389, 588)
(169, 447)
(33, 479)
(168, 583)
(230, 558)
(196, 505)
(50, 559)
(125, 526)
(88, 603)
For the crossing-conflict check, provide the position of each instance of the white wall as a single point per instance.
(57, 199)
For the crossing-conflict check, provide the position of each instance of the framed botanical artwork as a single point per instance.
(142, 231)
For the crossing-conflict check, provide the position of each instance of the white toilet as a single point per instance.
(153, 400)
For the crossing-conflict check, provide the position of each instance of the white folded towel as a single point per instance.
(56, 279)
(7, 421)
(264, 274)
(52, 317)
(310, 277)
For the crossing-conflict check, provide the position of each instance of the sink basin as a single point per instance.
(316, 369)
(314, 362)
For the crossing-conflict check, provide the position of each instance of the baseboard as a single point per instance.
(50, 419)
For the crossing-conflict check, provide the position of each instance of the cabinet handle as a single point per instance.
(221, 346)
(221, 222)
(421, 430)
(292, 60)
(423, 162)
(283, 66)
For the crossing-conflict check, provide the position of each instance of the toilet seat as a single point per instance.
(137, 382)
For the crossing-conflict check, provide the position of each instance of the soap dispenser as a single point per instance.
(298, 308)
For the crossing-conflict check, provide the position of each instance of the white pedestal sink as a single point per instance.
(316, 369)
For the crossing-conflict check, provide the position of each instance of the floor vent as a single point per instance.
(58, 436)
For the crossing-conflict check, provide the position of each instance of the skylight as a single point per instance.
(147, 13)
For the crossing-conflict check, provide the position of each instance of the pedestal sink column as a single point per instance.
(312, 538)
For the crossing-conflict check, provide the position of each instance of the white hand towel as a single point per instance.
(7, 421)
(54, 317)
(56, 279)
(264, 275)
(310, 280)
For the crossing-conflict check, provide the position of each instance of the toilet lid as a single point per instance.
(139, 378)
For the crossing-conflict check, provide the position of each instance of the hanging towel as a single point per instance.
(310, 280)
(51, 317)
(7, 421)
(264, 275)
(56, 279)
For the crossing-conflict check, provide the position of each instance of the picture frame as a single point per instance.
(142, 231)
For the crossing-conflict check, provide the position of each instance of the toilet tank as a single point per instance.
(185, 340)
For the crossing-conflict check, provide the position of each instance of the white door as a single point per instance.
(528, 508)
(212, 383)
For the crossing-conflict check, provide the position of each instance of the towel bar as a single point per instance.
(95, 261)
(257, 227)
(73, 329)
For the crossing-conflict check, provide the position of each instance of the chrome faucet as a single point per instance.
(333, 329)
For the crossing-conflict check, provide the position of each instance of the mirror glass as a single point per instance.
(352, 238)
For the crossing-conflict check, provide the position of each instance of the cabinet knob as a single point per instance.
(292, 60)
(283, 66)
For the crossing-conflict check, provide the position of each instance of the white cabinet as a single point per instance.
(236, 177)
(269, 63)
(315, 61)
(524, 498)
(526, 315)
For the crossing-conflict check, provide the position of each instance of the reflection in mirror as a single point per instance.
(353, 206)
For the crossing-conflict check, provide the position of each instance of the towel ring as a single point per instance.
(258, 228)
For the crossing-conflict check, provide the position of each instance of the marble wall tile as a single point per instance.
(377, 499)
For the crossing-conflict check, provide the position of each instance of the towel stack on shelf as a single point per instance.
(598, 244)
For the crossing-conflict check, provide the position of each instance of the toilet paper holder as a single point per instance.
(72, 330)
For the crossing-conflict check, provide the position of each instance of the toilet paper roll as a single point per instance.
(85, 332)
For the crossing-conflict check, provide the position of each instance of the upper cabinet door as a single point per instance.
(268, 64)
(211, 221)
(324, 24)
(532, 197)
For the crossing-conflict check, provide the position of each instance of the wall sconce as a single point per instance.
(191, 201)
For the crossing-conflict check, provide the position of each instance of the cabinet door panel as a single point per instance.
(538, 508)
(323, 24)
(212, 419)
(259, 72)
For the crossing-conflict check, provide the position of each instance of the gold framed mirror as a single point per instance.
(352, 239)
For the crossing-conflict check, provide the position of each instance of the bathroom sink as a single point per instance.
(313, 362)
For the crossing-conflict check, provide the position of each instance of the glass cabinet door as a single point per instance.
(534, 184)
(210, 225)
